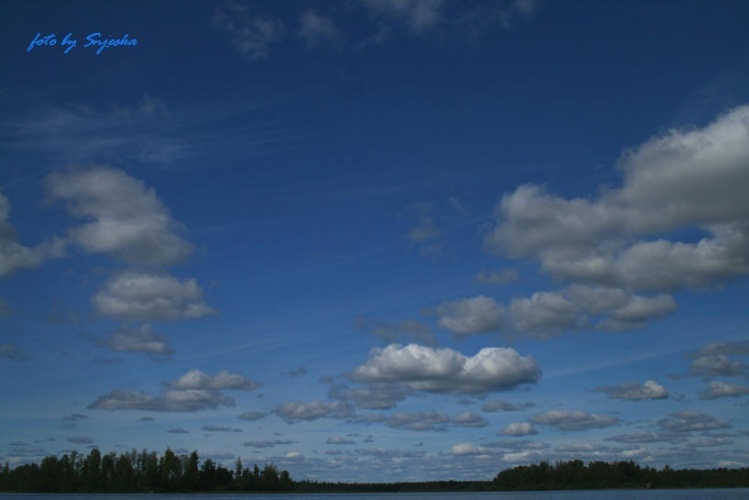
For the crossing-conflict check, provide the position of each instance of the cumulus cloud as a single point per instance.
(692, 420)
(634, 391)
(516, 429)
(140, 296)
(647, 437)
(196, 379)
(545, 314)
(296, 411)
(493, 406)
(684, 179)
(468, 449)
(469, 419)
(573, 420)
(250, 35)
(717, 365)
(194, 391)
(172, 400)
(419, 421)
(317, 30)
(219, 428)
(252, 416)
(126, 219)
(142, 340)
(718, 389)
(469, 316)
(339, 440)
(444, 370)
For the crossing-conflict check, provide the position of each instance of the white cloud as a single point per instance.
(196, 379)
(470, 419)
(298, 410)
(252, 36)
(317, 30)
(171, 400)
(127, 220)
(143, 340)
(339, 440)
(493, 406)
(694, 179)
(419, 421)
(717, 364)
(468, 449)
(516, 429)
(468, 316)
(692, 420)
(573, 420)
(252, 416)
(139, 296)
(635, 392)
(718, 389)
(219, 428)
(445, 370)
(375, 396)
(194, 391)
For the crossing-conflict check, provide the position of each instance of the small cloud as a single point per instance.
(692, 420)
(218, 428)
(142, 340)
(469, 419)
(570, 420)
(419, 421)
(80, 440)
(252, 416)
(75, 417)
(517, 429)
(718, 389)
(11, 352)
(339, 440)
(635, 392)
(178, 430)
(304, 411)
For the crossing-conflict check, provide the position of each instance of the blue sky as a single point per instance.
(376, 240)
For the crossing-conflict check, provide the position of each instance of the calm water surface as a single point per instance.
(707, 494)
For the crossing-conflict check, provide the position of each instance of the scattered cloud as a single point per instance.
(684, 179)
(374, 396)
(194, 391)
(717, 365)
(419, 421)
(469, 419)
(178, 430)
(444, 370)
(141, 340)
(467, 449)
(469, 316)
(268, 444)
(418, 16)
(252, 416)
(250, 35)
(126, 219)
(517, 429)
(297, 411)
(316, 30)
(197, 380)
(718, 389)
(75, 417)
(339, 440)
(692, 420)
(493, 406)
(141, 296)
(573, 420)
(634, 391)
(219, 428)
(647, 437)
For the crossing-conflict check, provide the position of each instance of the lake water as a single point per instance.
(706, 494)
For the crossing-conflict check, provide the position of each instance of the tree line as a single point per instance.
(575, 475)
(139, 472)
(145, 472)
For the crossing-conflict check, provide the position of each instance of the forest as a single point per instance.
(145, 472)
